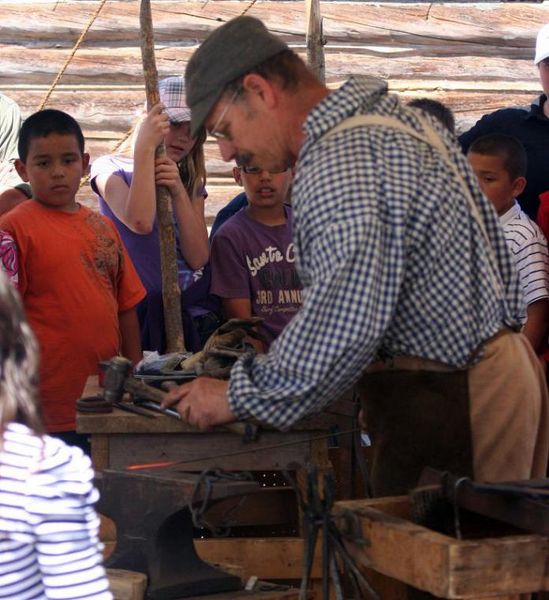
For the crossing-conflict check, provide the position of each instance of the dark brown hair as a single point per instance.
(515, 160)
(438, 110)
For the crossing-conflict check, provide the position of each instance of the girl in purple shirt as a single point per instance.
(126, 190)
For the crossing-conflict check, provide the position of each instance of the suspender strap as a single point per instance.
(431, 138)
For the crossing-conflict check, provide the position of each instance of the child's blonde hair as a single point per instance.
(192, 167)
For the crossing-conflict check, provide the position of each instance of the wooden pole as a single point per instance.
(171, 293)
(315, 39)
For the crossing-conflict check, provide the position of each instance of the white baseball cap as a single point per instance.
(542, 45)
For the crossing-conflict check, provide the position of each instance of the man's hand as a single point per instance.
(203, 402)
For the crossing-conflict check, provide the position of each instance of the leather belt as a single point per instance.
(416, 363)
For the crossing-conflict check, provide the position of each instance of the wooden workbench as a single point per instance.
(120, 438)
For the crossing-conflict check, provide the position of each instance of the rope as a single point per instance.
(248, 8)
(86, 179)
(71, 56)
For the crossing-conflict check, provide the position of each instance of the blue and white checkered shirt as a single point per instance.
(391, 261)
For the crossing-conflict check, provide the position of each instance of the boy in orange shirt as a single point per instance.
(77, 282)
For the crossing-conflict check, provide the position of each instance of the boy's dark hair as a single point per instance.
(42, 124)
(436, 109)
(508, 147)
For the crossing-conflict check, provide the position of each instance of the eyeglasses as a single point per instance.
(258, 170)
(218, 135)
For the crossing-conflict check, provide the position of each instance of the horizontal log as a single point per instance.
(107, 114)
(103, 66)
(488, 28)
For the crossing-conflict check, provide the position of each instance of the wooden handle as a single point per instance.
(171, 292)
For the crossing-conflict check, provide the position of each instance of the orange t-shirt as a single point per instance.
(74, 277)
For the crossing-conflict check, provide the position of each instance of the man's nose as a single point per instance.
(227, 150)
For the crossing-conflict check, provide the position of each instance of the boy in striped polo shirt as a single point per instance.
(499, 162)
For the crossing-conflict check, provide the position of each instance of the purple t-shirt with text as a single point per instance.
(257, 261)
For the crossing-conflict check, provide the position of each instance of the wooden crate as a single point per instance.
(499, 567)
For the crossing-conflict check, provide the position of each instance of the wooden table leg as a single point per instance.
(100, 451)
(318, 453)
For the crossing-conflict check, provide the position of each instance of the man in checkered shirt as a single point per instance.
(409, 288)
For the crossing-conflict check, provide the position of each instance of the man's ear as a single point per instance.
(21, 169)
(256, 85)
(237, 175)
(518, 186)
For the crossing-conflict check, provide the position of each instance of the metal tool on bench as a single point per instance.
(152, 512)
(104, 403)
(118, 379)
(522, 504)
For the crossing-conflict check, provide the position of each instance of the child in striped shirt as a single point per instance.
(49, 539)
(499, 163)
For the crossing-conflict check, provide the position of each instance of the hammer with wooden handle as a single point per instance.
(118, 379)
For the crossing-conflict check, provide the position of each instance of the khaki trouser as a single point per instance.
(490, 421)
(509, 412)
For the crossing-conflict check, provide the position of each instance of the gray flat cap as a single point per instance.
(227, 53)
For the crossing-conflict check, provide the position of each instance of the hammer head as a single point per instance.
(116, 370)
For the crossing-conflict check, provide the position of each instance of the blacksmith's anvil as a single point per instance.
(150, 508)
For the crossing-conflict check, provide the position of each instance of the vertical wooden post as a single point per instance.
(315, 39)
(171, 293)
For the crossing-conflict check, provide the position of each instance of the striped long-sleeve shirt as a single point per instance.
(49, 546)
(391, 260)
(529, 249)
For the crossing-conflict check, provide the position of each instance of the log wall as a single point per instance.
(475, 57)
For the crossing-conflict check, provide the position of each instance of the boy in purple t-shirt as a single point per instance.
(252, 255)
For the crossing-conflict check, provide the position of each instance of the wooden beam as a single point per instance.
(315, 39)
(171, 292)
(500, 28)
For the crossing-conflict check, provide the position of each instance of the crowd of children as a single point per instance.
(90, 281)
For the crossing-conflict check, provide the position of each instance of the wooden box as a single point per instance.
(439, 564)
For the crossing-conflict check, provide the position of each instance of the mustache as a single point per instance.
(244, 160)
